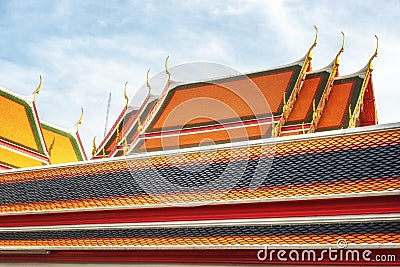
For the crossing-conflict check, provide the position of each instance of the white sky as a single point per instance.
(85, 49)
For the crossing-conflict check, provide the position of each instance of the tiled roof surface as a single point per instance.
(311, 91)
(311, 234)
(343, 96)
(201, 104)
(349, 163)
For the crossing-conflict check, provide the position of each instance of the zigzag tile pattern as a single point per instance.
(354, 163)
(353, 233)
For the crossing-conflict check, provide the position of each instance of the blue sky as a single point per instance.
(85, 49)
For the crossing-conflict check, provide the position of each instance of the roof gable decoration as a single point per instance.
(148, 121)
(291, 99)
(334, 72)
(20, 125)
(63, 145)
(311, 93)
(150, 107)
(128, 124)
(355, 114)
(114, 131)
(351, 102)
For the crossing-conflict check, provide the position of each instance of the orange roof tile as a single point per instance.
(354, 144)
(344, 94)
(311, 90)
(227, 100)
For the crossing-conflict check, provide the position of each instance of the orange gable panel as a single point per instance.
(228, 100)
(344, 94)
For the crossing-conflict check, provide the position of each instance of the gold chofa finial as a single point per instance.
(147, 81)
(37, 90)
(80, 120)
(125, 95)
(94, 149)
(166, 68)
(337, 62)
(309, 54)
(374, 55)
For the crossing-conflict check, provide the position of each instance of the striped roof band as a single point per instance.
(358, 162)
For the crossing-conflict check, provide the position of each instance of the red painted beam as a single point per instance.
(227, 256)
(255, 210)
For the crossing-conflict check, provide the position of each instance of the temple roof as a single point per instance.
(101, 204)
(287, 100)
(216, 168)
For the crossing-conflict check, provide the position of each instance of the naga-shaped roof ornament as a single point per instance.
(37, 90)
(166, 68)
(147, 81)
(126, 95)
(337, 61)
(370, 67)
(309, 53)
(79, 121)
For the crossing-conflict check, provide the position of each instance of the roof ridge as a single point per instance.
(25, 98)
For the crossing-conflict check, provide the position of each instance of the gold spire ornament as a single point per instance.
(370, 67)
(79, 121)
(166, 68)
(94, 149)
(147, 81)
(337, 62)
(309, 53)
(37, 90)
(126, 95)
